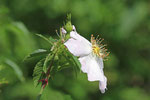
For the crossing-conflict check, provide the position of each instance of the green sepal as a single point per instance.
(37, 52)
(68, 26)
(49, 40)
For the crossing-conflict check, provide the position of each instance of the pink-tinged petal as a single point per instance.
(93, 69)
(78, 48)
(103, 85)
(100, 62)
(84, 63)
(78, 45)
(63, 31)
(75, 35)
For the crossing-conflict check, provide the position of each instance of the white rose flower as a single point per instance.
(90, 55)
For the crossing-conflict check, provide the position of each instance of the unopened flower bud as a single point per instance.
(63, 31)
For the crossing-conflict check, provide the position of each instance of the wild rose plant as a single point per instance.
(71, 49)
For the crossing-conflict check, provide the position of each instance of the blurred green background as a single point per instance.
(124, 24)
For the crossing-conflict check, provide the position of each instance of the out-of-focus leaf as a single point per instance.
(131, 19)
(38, 72)
(16, 40)
(46, 39)
(15, 68)
(20, 26)
(2, 75)
(37, 53)
(133, 94)
(52, 94)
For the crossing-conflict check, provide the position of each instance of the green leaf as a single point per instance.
(3, 79)
(16, 68)
(52, 40)
(70, 60)
(76, 61)
(63, 63)
(46, 39)
(37, 53)
(38, 72)
(54, 70)
(58, 65)
(47, 62)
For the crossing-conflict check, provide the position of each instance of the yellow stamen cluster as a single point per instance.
(98, 48)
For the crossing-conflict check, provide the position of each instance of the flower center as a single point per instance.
(98, 48)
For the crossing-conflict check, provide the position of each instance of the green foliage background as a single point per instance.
(124, 24)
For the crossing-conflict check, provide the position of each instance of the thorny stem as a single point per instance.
(45, 81)
(39, 96)
(48, 71)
